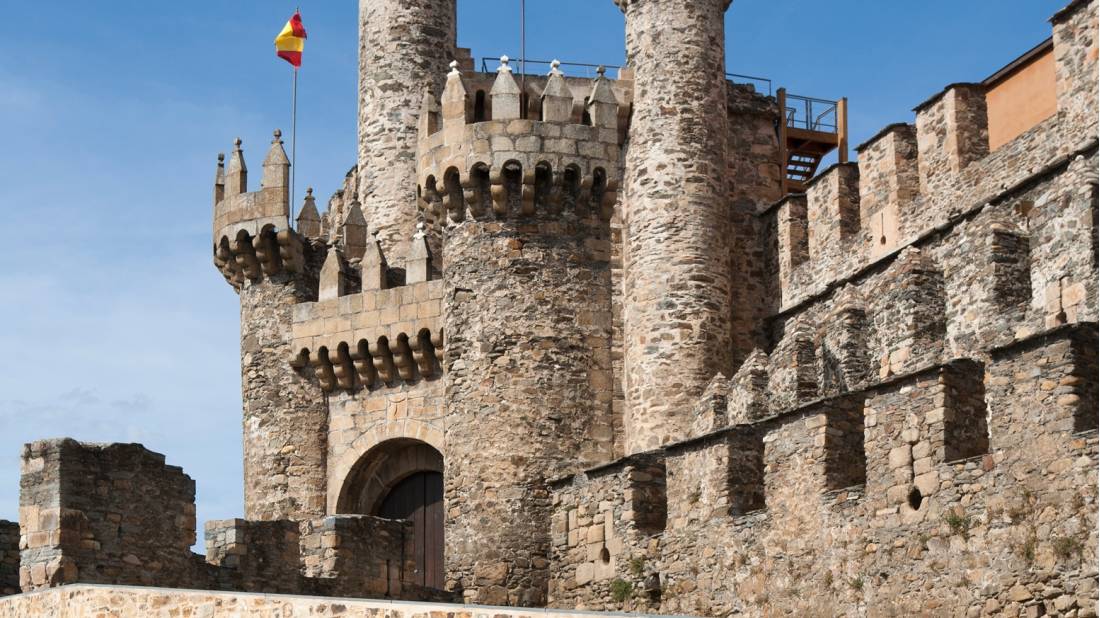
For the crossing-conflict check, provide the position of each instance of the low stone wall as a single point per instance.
(255, 556)
(79, 601)
(350, 555)
(9, 557)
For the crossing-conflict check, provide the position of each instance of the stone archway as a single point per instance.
(403, 479)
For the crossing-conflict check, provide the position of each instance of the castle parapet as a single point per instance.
(373, 338)
(252, 234)
(931, 175)
(498, 163)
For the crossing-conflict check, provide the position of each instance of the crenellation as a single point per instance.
(919, 483)
(913, 323)
(792, 368)
(952, 133)
(832, 218)
(748, 397)
(888, 184)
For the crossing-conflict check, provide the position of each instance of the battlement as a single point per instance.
(484, 158)
(908, 457)
(373, 338)
(252, 235)
(912, 179)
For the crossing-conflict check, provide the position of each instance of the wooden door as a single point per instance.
(419, 498)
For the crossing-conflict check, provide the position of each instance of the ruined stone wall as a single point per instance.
(1008, 526)
(404, 48)
(676, 218)
(9, 557)
(528, 317)
(104, 514)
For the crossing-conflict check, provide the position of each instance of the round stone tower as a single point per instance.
(677, 308)
(527, 308)
(404, 48)
(285, 423)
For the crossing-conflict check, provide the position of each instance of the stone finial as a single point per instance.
(373, 265)
(505, 93)
(429, 113)
(603, 107)
(353, 232)
(309, 222)
(454, 68)
(454, 99)
(219, 179)
(276, 165)
(554, 64)
(418, 266)
(236, 175)
(557, 98)
(333, 280)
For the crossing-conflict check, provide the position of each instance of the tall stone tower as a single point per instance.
(285, 423)
(404, 48)
(527, 313)
(677, 309)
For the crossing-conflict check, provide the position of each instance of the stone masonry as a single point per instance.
(568, 343)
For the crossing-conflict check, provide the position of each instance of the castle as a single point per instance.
(618, 343)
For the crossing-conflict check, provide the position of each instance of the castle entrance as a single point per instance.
(403, 479)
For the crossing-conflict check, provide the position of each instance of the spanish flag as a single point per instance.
(291, 41)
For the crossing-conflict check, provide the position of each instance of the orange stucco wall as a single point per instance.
(1021, 100)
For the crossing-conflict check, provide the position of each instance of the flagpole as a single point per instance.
(293, 142)
(523, 55)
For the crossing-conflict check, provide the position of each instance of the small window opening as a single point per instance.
(479, 107)
(915, 499)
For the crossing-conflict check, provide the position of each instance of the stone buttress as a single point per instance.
(677, 307)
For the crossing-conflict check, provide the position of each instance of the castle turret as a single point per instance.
(527, 313)
(677, 308)
(404, 48)
(285, 423)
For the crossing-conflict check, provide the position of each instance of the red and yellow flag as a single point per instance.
(291, 41)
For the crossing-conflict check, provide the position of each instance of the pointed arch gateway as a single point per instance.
(402, 478)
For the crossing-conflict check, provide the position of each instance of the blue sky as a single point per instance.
(117, 327)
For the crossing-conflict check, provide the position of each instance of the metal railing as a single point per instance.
(543, 66)
(811, 114)
(755, 82)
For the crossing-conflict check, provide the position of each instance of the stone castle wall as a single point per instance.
(528, 301)
(116, 514)
(780, 515)
(908, 313)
